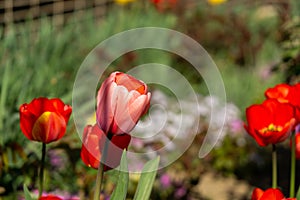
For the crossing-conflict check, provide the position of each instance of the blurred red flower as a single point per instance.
(50, 197)
(270, 122)
(93, 144)
(162, 5)
(44, 120)
(269, 194)
(121, 101)
(297, 139)
(285, 93)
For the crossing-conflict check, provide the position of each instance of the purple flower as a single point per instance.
(57, 159)
(236, 126)
(180, 192)
(165, 181)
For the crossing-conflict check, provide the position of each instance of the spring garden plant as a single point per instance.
(121, 101)
(272, 122)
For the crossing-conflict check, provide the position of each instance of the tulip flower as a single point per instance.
(269, 194)
(216, 2)
(44, 120)
(121, 101)
(94, 140)
(162, 5)
(123, 2)
(50, 197)
(285, 93)
(270, 122)
(297, 150)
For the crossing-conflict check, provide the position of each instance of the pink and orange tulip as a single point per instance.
(121, 101)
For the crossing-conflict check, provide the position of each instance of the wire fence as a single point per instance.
(18, 11)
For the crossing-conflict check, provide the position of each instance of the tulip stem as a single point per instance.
(293, 166)
(100, 172)
(99, 181)
(41, 173)
(274, 167)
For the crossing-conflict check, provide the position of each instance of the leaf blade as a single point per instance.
(27, 193)
(147, 178)
(120, 191)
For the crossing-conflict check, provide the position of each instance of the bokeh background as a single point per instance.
(255, 44)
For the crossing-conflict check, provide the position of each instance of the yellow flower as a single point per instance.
(123, 2)
(216, 2)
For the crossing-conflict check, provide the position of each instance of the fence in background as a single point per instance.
(16, 11)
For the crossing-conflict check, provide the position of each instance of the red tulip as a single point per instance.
(285, 93)
(162, 5)
(297, 139)
(93, 144)
(269, 194)
(121, 101)
(44, 120)
(270, 122)
(50, 197)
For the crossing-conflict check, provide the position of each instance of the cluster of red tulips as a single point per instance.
(271, 122)
(121, 101)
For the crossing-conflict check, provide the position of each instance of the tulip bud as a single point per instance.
(121, 101)
(44, 120)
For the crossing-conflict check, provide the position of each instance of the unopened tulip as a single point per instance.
(121, 101)
(94, 142)
(44, 120)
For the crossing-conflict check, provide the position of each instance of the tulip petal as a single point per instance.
(257, 193)
(93, 146)
(258, 116)
(130, 83)
(121, 112)
(48, 127)
(272, 194)
(279, 92)
(106, 106)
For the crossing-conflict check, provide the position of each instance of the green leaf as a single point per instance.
(298, 193)
(147, 179)
(120, 191)
(27, 193)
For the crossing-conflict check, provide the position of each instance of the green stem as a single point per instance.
(99, 181)
(293, 166)
(100, 172)
(41, 173)
(274, 167)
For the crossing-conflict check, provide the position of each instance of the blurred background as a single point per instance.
(255, 44)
